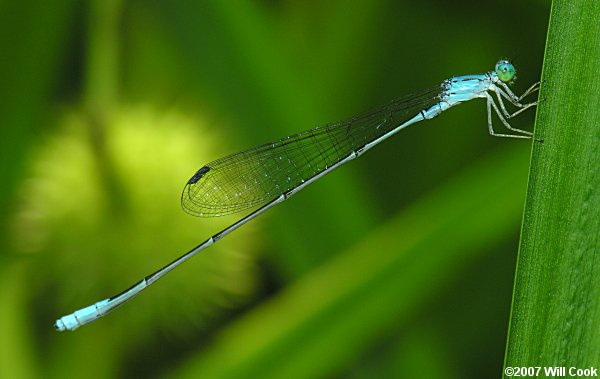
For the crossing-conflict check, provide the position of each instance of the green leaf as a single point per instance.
(555, 318)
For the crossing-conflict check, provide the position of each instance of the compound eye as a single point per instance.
(505, 71)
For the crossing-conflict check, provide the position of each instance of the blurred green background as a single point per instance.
(398, 265)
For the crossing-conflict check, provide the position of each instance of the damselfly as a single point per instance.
(269, 174)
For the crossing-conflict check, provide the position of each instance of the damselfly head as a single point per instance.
(506, 71)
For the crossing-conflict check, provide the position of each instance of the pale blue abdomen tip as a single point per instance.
(80, 317)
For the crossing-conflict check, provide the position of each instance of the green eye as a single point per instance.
(506, 71)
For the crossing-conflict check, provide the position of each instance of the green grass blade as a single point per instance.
(555, 318)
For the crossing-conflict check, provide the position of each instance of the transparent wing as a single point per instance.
(255, 176)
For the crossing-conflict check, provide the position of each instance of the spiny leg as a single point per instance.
(534, 87)
(523, 107)
(490, 103)
(510, 95)
(508, 126)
